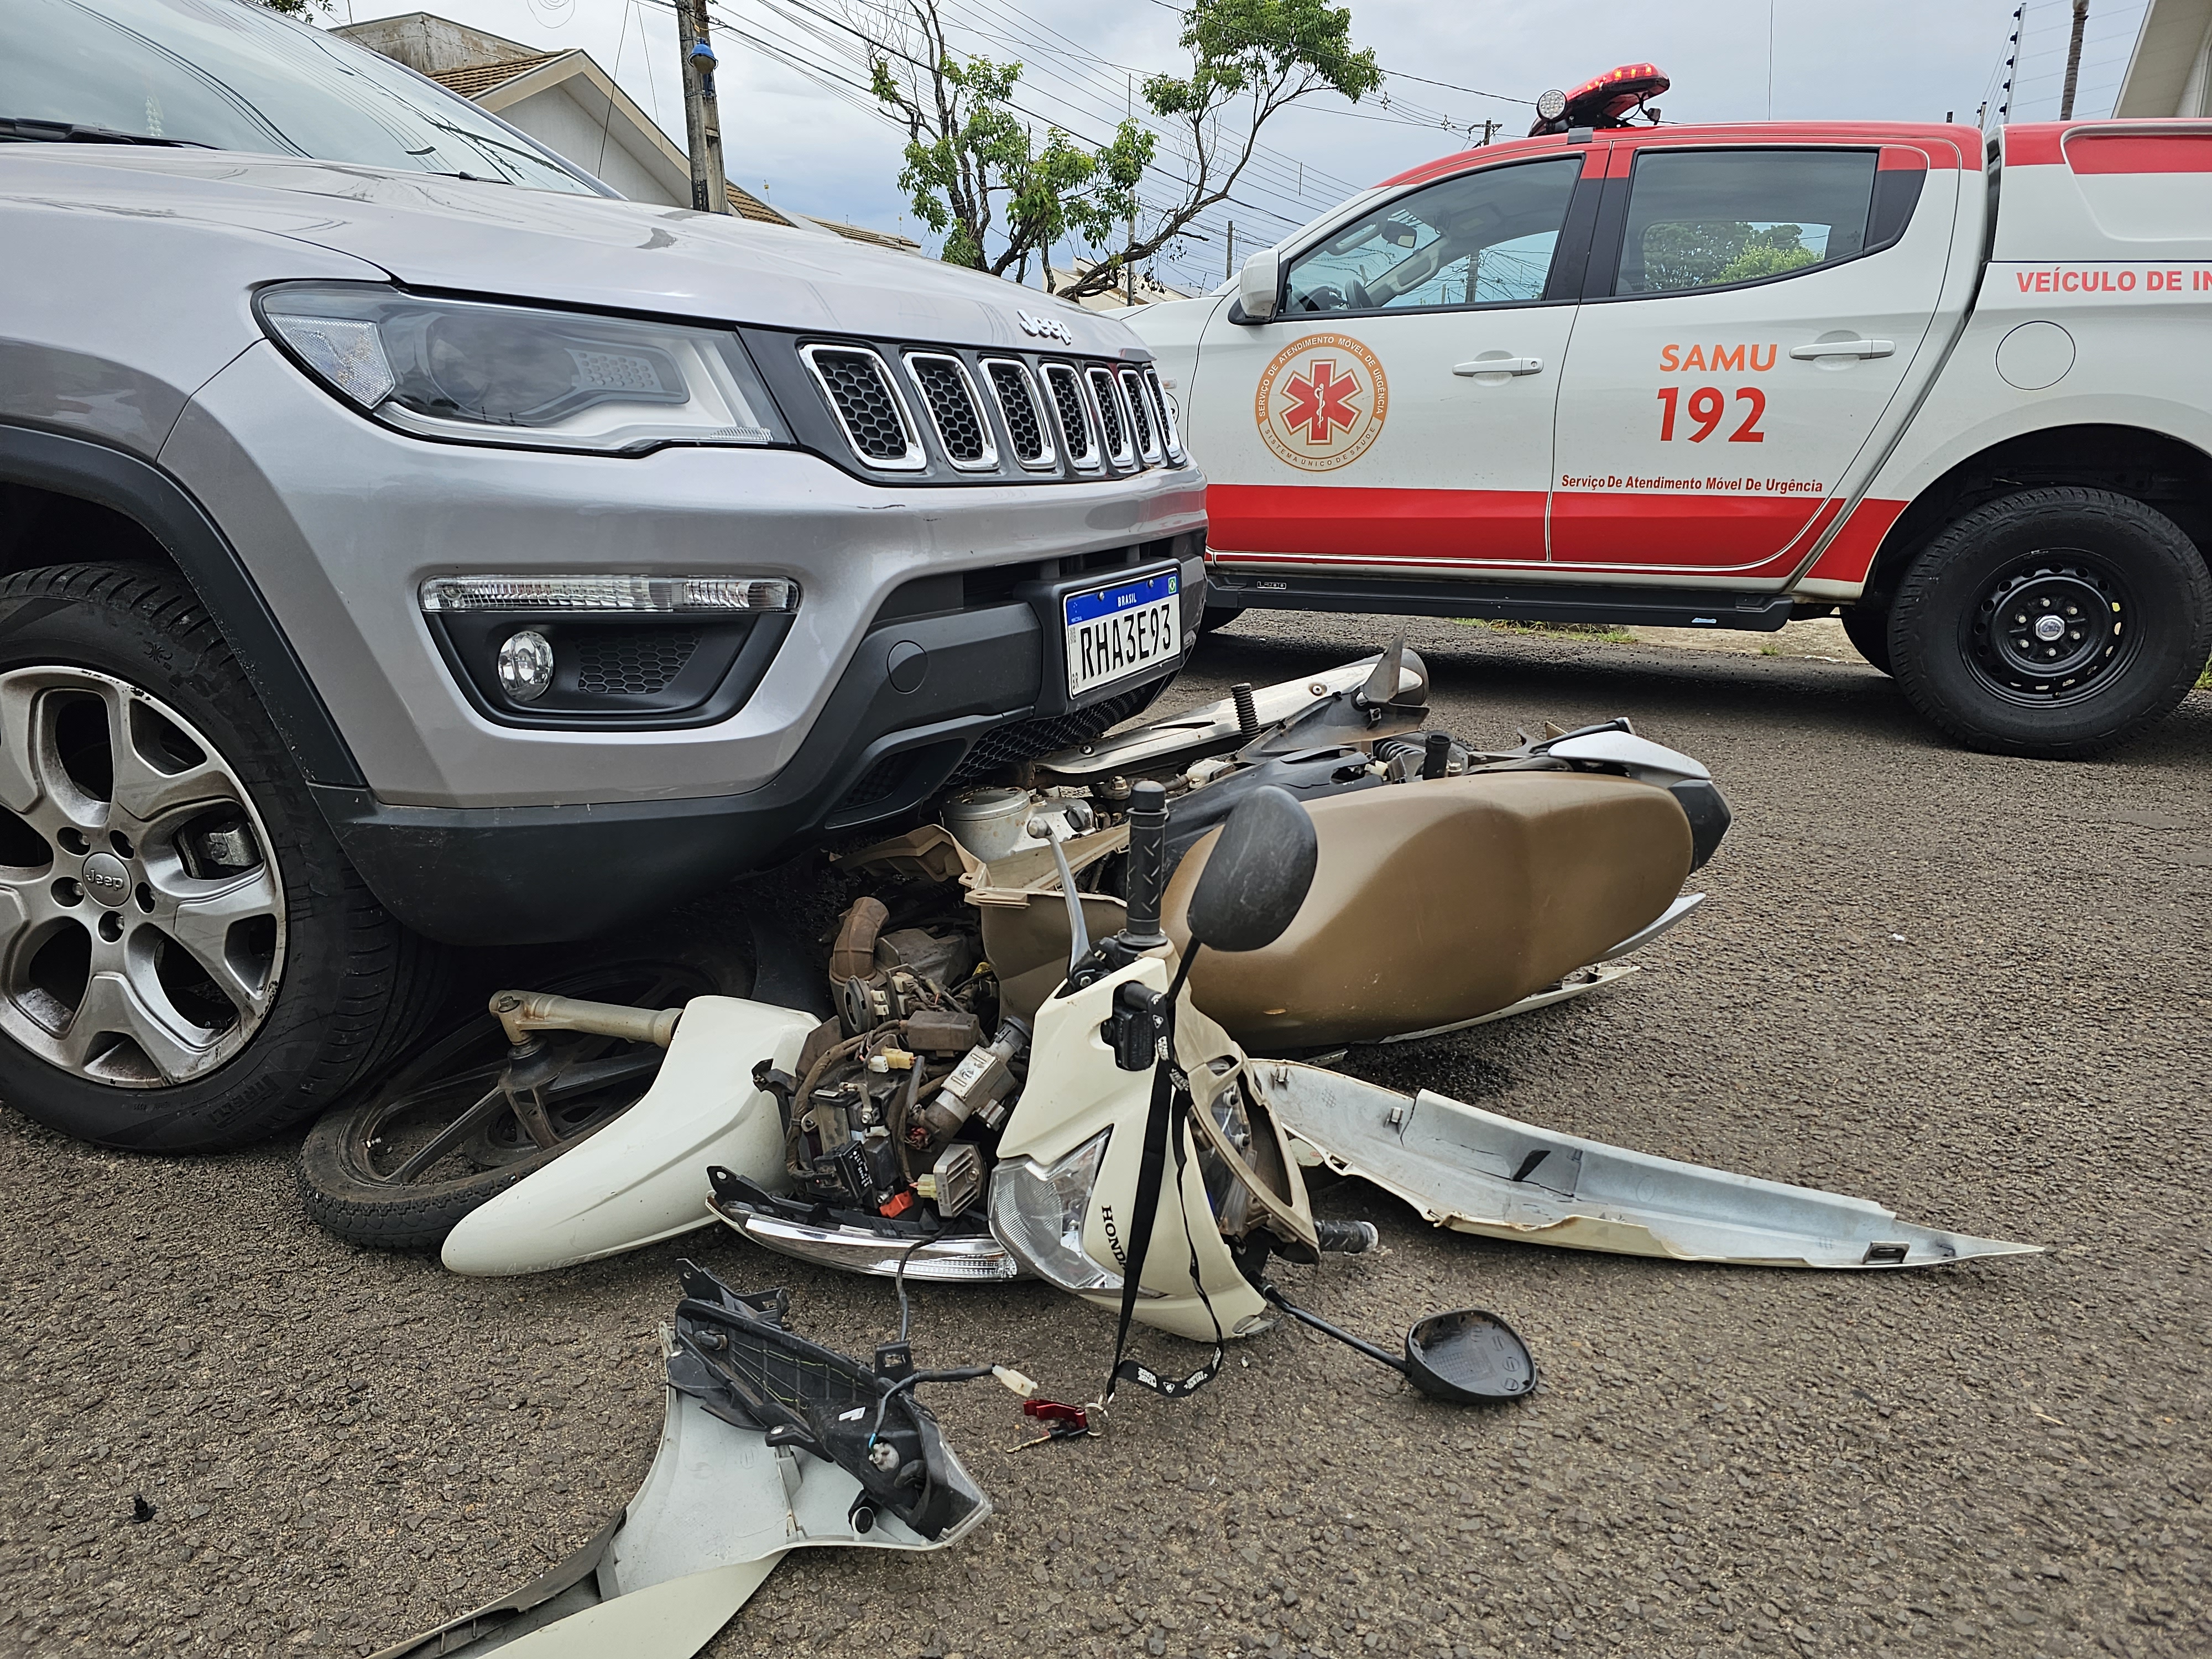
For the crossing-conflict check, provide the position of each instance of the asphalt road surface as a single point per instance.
(1971, 988)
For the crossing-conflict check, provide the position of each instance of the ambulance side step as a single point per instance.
(1653, 607)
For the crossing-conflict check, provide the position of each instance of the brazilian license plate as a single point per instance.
(1123, 630)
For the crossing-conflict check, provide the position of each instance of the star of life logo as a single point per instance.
(1321, 402)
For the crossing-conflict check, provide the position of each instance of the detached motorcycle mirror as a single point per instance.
(1463, 1357)
(1257, 876)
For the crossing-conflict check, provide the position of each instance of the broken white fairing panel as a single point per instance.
(719, 1507)
(1476, 1172)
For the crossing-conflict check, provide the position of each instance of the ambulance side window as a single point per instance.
(1481, 239)
(1710, 218)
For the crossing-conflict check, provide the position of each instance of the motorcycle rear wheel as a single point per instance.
(399, 1167)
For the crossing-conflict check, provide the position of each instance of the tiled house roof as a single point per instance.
(478, 79)
(746, 205)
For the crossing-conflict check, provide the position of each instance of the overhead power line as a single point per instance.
(798, 56)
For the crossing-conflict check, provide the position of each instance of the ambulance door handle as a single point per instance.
(1500, 366)
(1843, 348)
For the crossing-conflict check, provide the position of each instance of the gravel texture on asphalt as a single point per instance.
(1971, 988)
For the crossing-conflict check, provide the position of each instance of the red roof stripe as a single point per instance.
(1946, 147)
(2109, 147)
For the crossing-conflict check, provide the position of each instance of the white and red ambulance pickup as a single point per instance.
(1726, 376)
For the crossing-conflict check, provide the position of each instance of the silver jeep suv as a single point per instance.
(406, 541)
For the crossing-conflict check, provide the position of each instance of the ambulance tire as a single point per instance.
(1866, 625)
(2052, 624)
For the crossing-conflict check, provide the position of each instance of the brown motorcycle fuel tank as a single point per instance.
(1442, 900)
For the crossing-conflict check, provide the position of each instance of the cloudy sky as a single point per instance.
(797, 131)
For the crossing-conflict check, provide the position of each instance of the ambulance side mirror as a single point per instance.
(1258, 286)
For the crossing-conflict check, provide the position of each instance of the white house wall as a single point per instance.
(564, 123)
(2167, 73)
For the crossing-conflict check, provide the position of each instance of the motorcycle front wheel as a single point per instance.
(399, 1167)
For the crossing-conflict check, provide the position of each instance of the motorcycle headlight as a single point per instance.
(482, 373)
(1038, 1212)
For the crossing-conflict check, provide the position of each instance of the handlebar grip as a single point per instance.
(1148, 856)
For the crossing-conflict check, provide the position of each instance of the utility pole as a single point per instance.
(1231, 262)
(2073, 60)
(703, 122)
(1490, 131)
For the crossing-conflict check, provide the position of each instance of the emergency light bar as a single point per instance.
(1604, 102)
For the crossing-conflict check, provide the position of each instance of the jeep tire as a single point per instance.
(2053, 623)
(187, 961)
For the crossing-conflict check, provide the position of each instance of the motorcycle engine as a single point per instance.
(896, 1102)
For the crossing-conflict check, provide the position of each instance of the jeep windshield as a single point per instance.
(228, 74)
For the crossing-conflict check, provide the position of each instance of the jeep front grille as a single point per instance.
(1171, 439)
(1074, 423)
(954, 410)
(869, 409)
(1101, 381)
(1147, 445)
(1017, 407)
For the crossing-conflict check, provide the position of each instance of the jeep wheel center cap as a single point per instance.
(107, 878)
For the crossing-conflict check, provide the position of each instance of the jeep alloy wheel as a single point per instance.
(187, 959)
(141, 919)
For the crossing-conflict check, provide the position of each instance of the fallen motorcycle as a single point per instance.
(1144, 1163)
(921, 1144)
(1457, 885)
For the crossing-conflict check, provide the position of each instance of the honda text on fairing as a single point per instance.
(1725, 376)
(404, 542)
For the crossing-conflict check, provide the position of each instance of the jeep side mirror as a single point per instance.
(1257, 875)
(1258, 285)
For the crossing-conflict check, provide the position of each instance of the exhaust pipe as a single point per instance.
(520, 1012)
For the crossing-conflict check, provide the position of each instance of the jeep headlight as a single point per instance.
(482, 373)
(1038, 1212)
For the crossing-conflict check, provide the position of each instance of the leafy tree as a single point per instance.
(1765, 260)
(1695, 253)
(1249, 60)
(301, 10)
(973, 168)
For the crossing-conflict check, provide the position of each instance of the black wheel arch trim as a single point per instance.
(67, 464)
(2165, 473)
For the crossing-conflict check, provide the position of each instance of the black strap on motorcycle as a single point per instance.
(1163, 1125)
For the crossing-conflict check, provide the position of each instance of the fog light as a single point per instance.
(525, 665)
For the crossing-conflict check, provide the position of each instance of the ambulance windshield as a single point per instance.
(1481, 239)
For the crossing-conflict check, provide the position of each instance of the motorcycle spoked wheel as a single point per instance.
(398, 1169)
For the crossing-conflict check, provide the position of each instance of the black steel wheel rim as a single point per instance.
(2053, 627)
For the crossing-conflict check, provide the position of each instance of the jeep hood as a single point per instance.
(471, 237)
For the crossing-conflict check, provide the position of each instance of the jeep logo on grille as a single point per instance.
(1046, 328)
